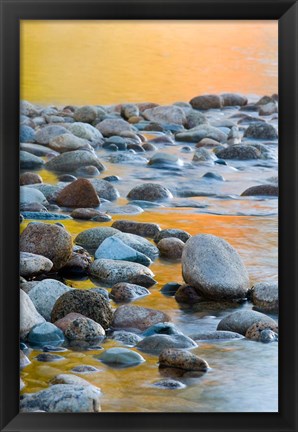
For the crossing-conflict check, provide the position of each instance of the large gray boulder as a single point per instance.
(63, 398)
(30, 195)
(214, 268)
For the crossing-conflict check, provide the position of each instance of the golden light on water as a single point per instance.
(102, 62)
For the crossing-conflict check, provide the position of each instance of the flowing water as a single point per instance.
(108, 62)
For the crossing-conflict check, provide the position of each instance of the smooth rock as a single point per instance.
(194, 118)
(63, 398)
(242, 320)
(77, 265)
(216, 335)
(239, 152)
(85, 369)
(32, 264)
(70, 379)
(261, 190)
(265, 296)
(44, 295)
(51, 241)
(202, 155)
(29, 195)
(150, 192)
(110, 271)
(138, 228)
(172, 233)
(123, 292)
(171, 248)
(268, 109)
(136, 317)
(29, 317)
(213, 176)
(126, 338)
(90, 214)
(90, 239)
(261, 130)
(233, 99)
(113, 248)
(121, 357)
(155, 344)
(203, 131)
(45, 134)
(166, 114)
(165, 161)
(85, 114)
(30, 161)
(29, 178)
(83, 328)
(79, 193)
(182, 359)
(206, 102)
(68, 142)
(85, 302)
(71, 161)
(138, 243)
(105, 189)
(113, 126)
(214, 267)
(45, 334)
(255, 331)
(188, 295)
(129, 110)
(85, 131)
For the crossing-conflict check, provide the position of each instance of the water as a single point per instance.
(104, 62)
(113, 62)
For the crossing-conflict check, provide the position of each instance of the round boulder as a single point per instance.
(261, 190)
(214, 268)
(265, 296)
(150, 192)
(181, 359)
(85, 302)
(137, 317)
(261, 130)
(171, 248)
(51, 241)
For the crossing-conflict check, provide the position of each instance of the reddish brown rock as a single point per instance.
(64, 322)
(49, 240)
(171, 248)
(80, 193)
(182, 359)
(254, 331)
(90, 213)
(29, 178)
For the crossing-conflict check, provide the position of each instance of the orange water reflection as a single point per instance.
(102, 62)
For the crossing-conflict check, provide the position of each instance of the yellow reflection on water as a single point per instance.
(102, 62)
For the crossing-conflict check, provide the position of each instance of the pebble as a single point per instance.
(169, 384)
(29, 178)
(90, 214)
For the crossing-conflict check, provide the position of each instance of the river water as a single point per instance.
(108, 62)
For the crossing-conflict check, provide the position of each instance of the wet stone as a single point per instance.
(48, 357)
(169, 384)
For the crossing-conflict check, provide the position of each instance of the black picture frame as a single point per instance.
(286, 11)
